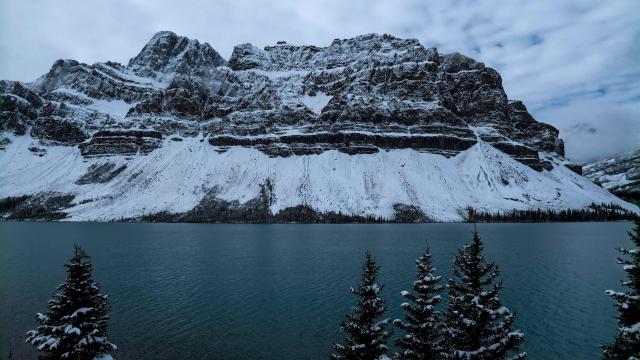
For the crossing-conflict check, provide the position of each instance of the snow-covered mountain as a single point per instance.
(620, 175)
(369, 126)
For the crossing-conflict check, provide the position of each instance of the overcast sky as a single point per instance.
(575, 64)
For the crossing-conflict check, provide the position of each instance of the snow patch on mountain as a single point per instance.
(115, 108)
(316, 103)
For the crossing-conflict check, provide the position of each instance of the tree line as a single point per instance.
(594, 212)
(474, 325)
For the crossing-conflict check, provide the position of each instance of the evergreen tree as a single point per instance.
(365, 334)
(75, 326)
(422, 322)
(477, 325)
(627, 342)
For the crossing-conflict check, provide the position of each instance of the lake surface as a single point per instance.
(200, 291)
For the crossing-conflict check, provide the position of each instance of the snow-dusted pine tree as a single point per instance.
(627, 342)
(422, 321)
(75, 326)
(365, 333)
(477, 325)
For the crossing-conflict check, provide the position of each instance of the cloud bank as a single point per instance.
(573, 62)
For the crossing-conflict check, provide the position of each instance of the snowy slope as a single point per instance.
(363, 184)
(620, 175)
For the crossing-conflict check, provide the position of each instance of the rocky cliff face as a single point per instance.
(364, 96)
(620, 175)
(358, 95)
(168, 53)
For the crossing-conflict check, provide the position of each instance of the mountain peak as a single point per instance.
(167, 52)
(162, 35)
(246, 56)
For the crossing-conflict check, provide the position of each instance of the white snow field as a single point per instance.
(176, 176)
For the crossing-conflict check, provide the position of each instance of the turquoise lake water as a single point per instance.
(202, 291)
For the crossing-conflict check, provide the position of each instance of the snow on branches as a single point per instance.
(75, 325)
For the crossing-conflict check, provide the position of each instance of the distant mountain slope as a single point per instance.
(620, 175)
(367, 126)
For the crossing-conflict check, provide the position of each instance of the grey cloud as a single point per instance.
(596, 129)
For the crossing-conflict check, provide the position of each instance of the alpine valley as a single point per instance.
(371, 127)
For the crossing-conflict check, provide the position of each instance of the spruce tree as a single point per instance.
(75, 326)
(477, 325)
(422, 321)
(365, 333)
(627, 342)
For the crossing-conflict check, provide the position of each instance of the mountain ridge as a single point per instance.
(370, 98)
(620, 175)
